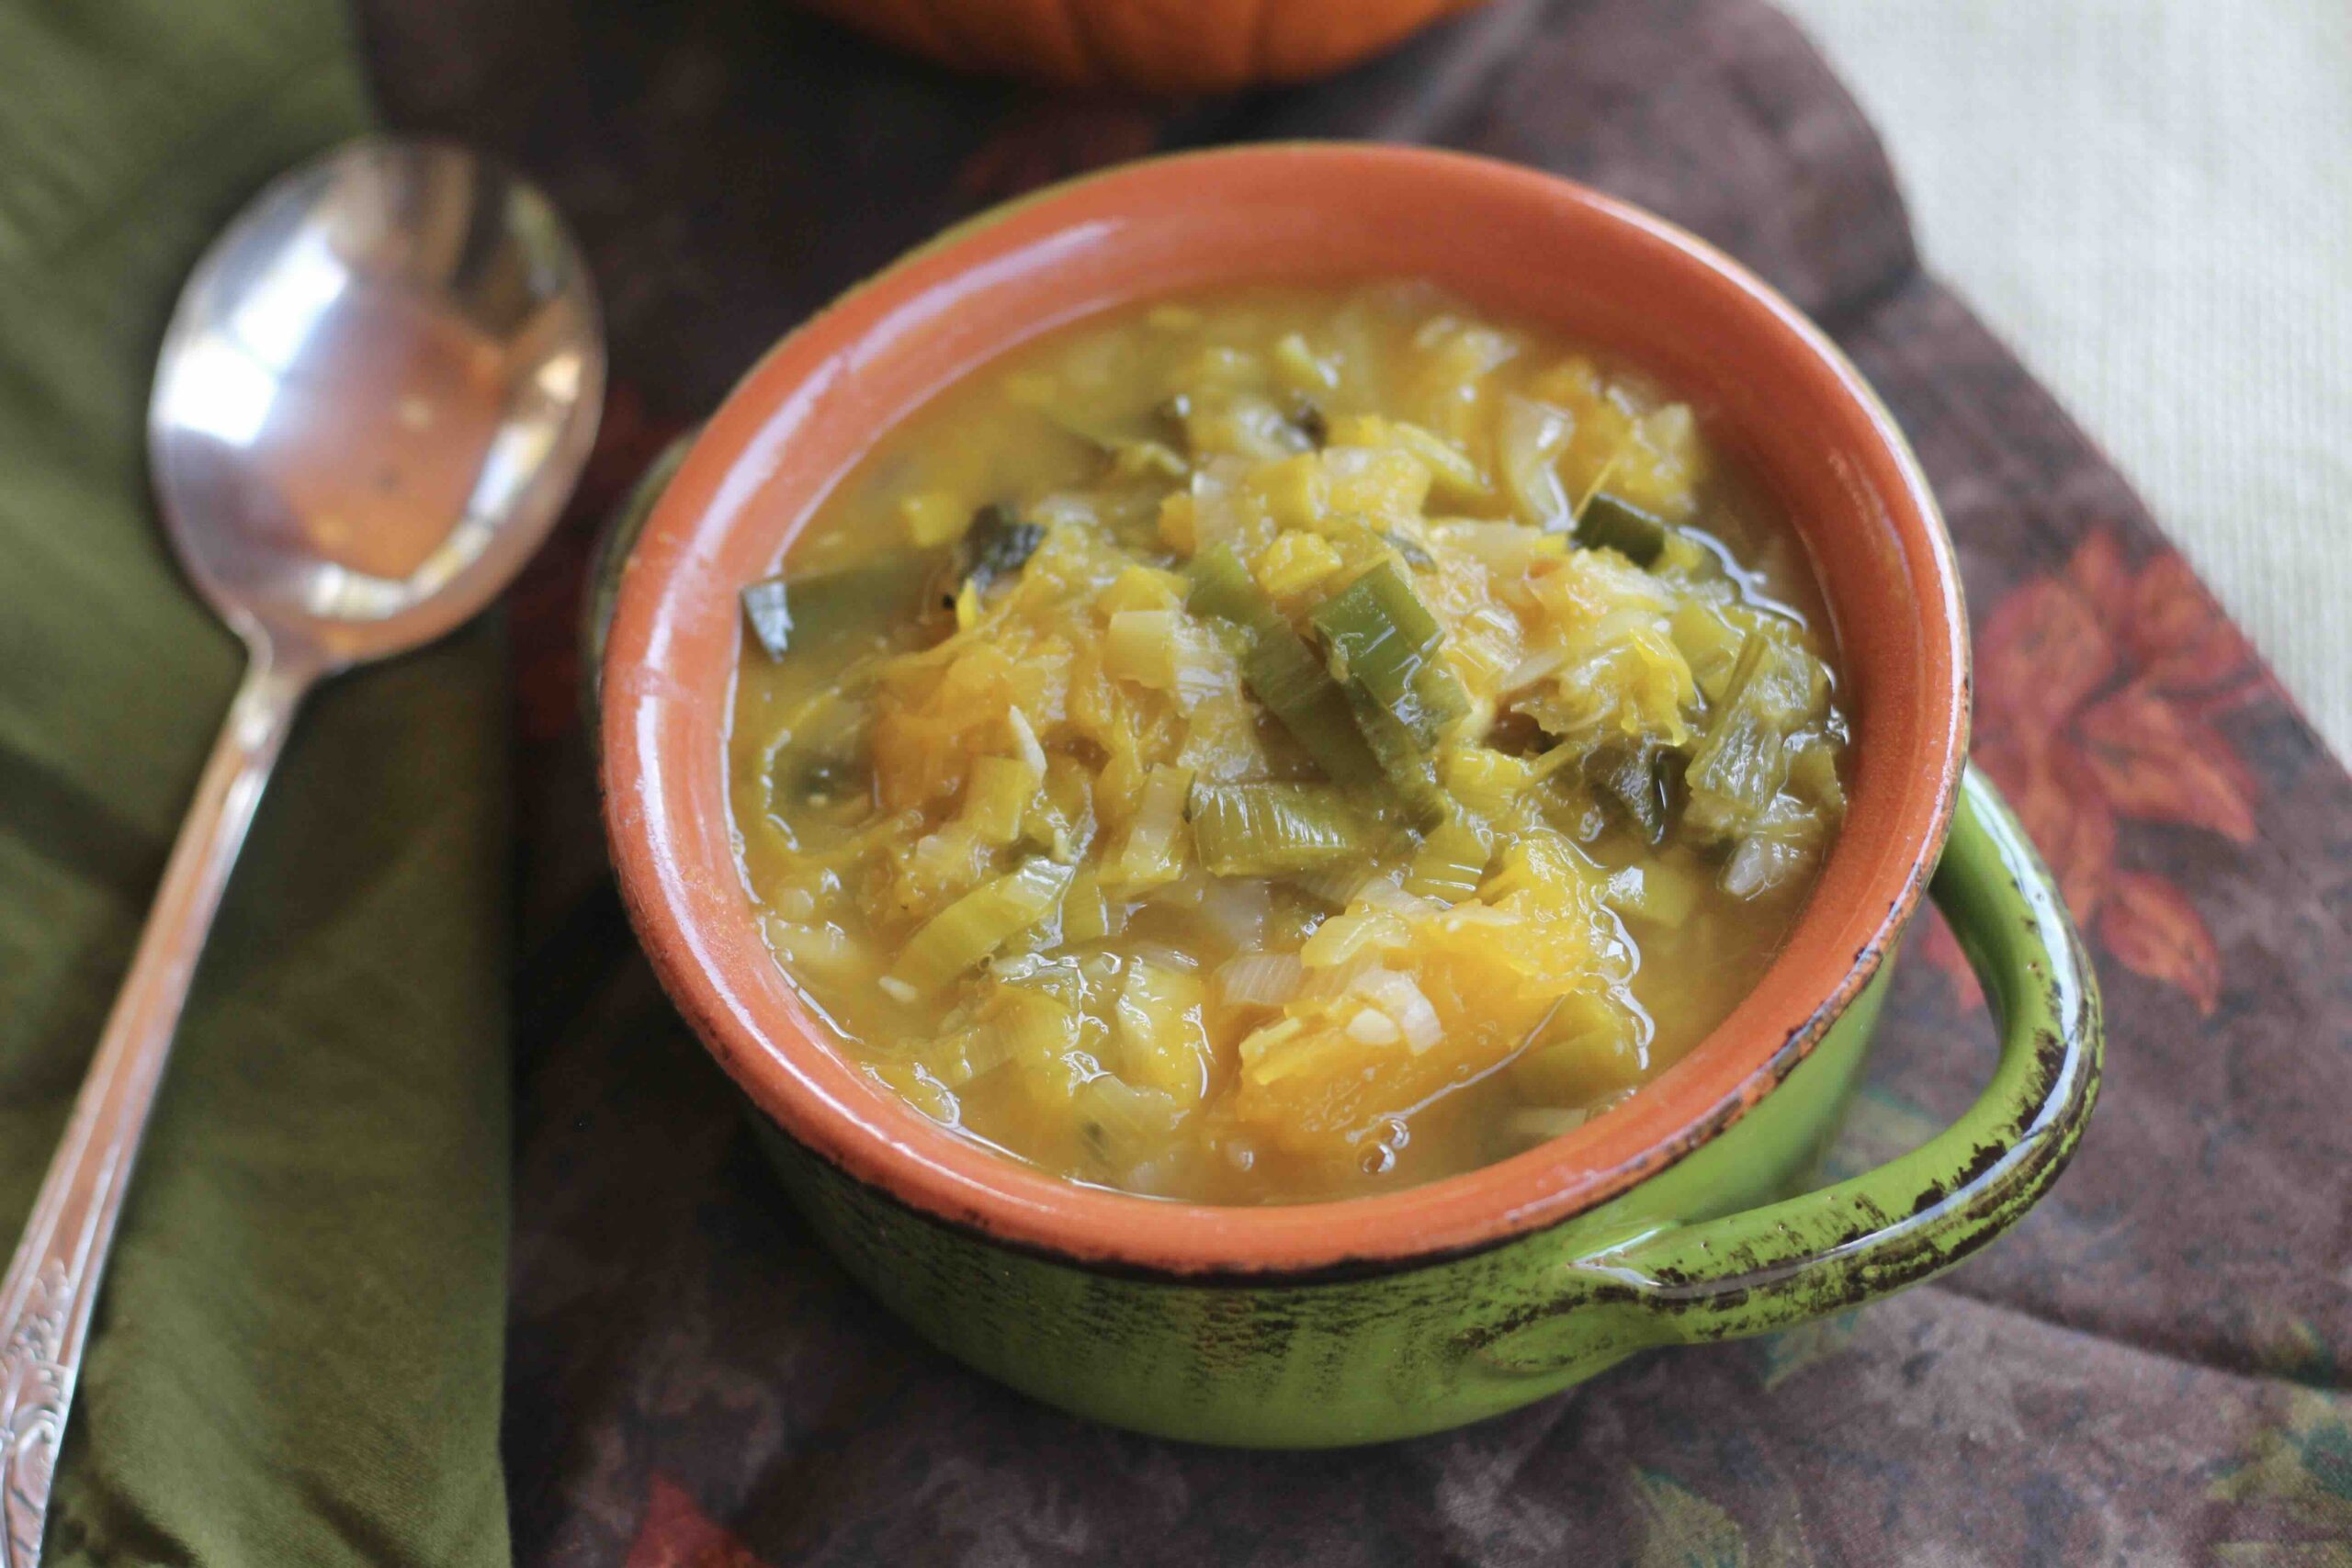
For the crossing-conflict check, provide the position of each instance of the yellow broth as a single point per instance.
(1277, 745)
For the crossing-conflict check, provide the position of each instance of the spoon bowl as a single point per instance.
(376, 391)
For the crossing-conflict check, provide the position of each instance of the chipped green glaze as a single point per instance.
(1723, 1243)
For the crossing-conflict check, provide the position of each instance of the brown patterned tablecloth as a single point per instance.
(2151, 1370)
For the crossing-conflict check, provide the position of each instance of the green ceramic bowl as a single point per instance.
(1684, 1215)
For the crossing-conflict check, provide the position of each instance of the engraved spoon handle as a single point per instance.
(54, 1281)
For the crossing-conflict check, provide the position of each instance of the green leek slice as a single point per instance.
(1383, 639)
(1742, 762)
(1609, 524)
(1451, 861)
(1280, 669)
(810, 615)
(1633, 779)
(1266, 829)
(978, 924)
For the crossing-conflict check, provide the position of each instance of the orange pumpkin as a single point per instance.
(1161, 46)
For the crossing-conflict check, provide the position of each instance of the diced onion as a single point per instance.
(1404, 1004)
(1025, 738)
(1260, 979)
(1528, 442)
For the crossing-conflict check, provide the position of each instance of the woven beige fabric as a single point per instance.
(2152, 200)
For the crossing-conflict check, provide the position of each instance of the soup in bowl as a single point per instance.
(1273, 745)
(1285, 776)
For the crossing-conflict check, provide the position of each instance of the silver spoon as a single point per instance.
(374, 397)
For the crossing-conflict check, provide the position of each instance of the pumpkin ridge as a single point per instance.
(1151, 49)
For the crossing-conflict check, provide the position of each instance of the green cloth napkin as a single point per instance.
(297, 1355)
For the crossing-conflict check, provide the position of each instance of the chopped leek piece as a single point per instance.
(1141, 646)
(766, 605)
(1530, 438)
(1408, 765)
(1482, 778)
(1280, 669)
(978, 924)
(997, 545)
(1634, 780)
(1161, 1042)
(1609, 524)
(1121, 1122)
(996, 797)
(1083, 916)
(1813, 772)
(1709, 642)
(809, 614)
(1260, 979)
(1037, 1023)
(1384, 640)
(822, 761)
(1153, 854)
(1742, 762)
(1261, 829)
(1451, 861)
(1222, 586)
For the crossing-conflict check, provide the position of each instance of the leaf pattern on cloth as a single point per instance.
(2096, 687)
(2293, 1479)
(1680, 1528)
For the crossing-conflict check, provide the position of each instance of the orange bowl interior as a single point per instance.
(1770, 387)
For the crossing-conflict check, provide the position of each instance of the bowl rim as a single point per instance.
(660, 833)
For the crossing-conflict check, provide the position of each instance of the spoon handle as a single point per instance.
(54, 1281)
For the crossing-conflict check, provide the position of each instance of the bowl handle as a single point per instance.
(1916, 1215)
